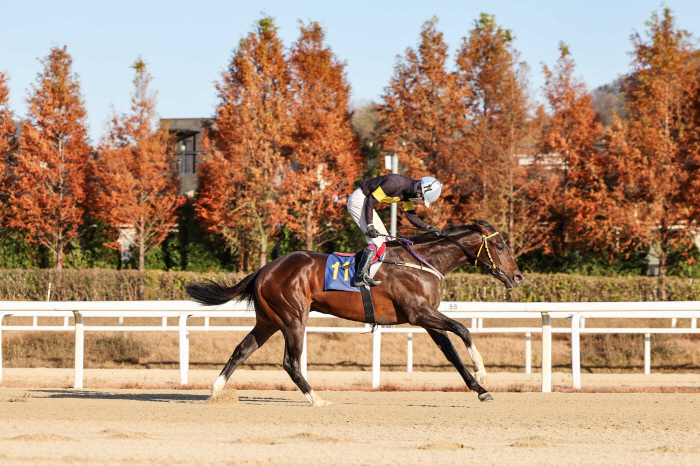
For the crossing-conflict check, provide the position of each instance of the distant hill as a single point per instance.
(607, 101)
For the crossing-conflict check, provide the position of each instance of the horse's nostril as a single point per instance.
(519, 278)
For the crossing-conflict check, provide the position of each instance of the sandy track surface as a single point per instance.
(399, 428)
(142, 378)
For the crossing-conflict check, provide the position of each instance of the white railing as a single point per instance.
(477, 311)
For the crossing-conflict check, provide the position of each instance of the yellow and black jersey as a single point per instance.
(389, 189)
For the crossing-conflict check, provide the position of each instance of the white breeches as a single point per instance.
(356, 207)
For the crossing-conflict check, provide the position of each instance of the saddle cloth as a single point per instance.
(340, 269)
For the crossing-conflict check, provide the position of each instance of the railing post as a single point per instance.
(376, 355)
(694, 322)
(647, 353)
(674, 322)
(409, 353)
(304, 356)
(184, 340)
(79, 349)
(576, 351)
(2, 314)
(546, 353)
(528, 353)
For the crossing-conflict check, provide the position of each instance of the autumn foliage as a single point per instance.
(324, 158)
(7, 147)
(423, 116)
(563, 175)
(653, 155)
(244, 162)
(280, 149)
(48, 189)
(567, 147)
(135, 175)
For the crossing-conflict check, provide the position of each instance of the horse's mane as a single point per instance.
(475, 225)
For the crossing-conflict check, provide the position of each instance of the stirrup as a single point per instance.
(366, 280)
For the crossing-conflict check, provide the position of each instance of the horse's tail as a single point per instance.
(215, 292)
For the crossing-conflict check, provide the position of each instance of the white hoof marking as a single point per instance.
(218, 385)
(316, 400)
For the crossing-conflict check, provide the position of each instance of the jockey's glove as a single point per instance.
(436, 231)
(372, 232)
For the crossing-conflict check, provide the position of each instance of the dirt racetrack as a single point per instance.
(64, 426)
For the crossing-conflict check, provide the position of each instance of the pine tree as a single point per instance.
(499, 138)
(423, 114)
(243, 165)
(325, 158)
(8, 146)
(567, 151)
(135, 171)
(653, 156)
(49, 173)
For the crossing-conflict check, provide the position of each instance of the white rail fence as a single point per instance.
(476, 311)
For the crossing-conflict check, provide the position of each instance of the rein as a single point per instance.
(492, 268)
(406, 244)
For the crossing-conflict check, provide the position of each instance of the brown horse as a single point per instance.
(288, 288)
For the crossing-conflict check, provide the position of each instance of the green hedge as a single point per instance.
(127, 285)
(568, 288)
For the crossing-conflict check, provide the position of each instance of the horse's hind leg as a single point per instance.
(254, 340)
(293, 346)
(443, 342)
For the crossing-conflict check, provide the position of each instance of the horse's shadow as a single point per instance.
(153, 397)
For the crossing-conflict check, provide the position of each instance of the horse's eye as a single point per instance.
(499, 247)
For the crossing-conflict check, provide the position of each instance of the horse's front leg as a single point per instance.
(480, 373)
(443, 342)
(436, 324)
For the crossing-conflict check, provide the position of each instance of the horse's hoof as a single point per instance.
(485, 397)
(322, 403)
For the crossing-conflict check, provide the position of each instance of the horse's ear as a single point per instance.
(479, 226)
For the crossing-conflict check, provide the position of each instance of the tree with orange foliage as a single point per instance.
(423, 115)
(568, 154)
(499, 138)
(245, 146)
(135, 171)
(325, 158)
(653, 156)
(49, 172)
(8, 145)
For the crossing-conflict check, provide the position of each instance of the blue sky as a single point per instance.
(188, 44)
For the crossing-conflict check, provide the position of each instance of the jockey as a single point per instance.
(387, 189)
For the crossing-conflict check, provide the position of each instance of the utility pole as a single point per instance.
(391, 162)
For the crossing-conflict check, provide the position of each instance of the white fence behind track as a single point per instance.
(476, 311)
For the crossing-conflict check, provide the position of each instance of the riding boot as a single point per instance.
(361, 275)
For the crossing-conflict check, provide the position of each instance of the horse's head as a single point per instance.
(491, 253)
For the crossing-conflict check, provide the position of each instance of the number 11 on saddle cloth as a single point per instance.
(340, 270)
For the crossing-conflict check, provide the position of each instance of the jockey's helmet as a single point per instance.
(431, 189)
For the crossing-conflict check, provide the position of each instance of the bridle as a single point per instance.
(492, 268)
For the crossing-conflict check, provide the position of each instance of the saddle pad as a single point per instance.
(339, 278)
